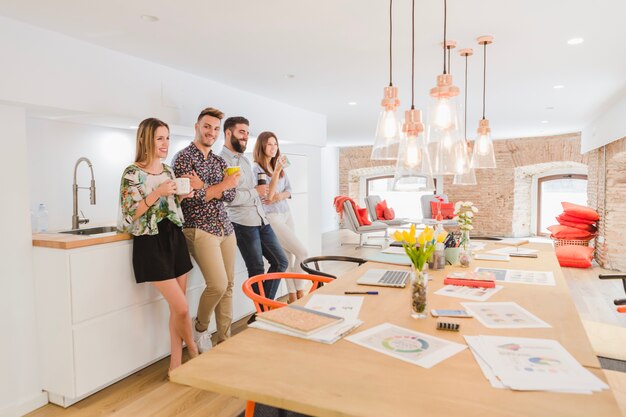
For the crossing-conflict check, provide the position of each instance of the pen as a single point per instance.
(361, 292)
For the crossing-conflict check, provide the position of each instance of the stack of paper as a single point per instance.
(527, 364)
(336, 305)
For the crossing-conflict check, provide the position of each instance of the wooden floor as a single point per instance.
(149, 393)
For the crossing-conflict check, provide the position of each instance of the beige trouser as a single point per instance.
(215, 256)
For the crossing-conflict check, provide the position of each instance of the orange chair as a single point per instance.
(620, 303)
(262, 303)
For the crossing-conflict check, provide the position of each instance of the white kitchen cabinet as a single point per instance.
(96, 325)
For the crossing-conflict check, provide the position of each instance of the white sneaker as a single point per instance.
(202, 339)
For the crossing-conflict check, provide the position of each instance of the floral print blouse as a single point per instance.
(136, 185)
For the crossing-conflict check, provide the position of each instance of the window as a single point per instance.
(554, 189)
(404, 203)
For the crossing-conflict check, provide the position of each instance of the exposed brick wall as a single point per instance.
(495, 196)
(607, 183)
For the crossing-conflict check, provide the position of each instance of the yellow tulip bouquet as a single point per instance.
(420, 253)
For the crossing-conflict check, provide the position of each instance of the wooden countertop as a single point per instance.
(68, 241)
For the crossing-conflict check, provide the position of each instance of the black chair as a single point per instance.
(315, 260)
(619, 302)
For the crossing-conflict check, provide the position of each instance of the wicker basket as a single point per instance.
(563, 242)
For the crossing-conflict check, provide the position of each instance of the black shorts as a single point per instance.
(162, 256)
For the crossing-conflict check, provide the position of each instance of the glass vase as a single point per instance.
(465, 253)
(419, 286)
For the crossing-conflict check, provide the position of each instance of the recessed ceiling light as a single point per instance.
(550, 108)
(575, 41)
(352, 103)
(149, 18)
(544, 121)
(290, 76)
(558, 87)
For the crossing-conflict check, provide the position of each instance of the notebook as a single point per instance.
(384, 278)
(299, 319)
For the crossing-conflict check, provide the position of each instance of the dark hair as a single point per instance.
(210, 111)
(232, 121)
(259, 153)
(145, 139)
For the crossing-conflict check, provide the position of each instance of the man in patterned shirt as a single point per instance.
(255, 237)
(207, 228)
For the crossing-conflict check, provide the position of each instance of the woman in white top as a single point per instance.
(268, 160)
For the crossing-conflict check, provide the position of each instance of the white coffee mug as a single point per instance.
(183, 186)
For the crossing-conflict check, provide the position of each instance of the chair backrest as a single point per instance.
(425, 200)
(349, 217)
(312, 265)
(261, 302)
(370, 202)
(620, 303)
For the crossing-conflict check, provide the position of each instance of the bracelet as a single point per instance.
(145, 201)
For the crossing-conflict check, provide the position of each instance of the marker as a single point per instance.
(361, 292)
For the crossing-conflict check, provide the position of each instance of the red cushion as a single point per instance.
(583, 226)
(580, 211)
(574, 255)
(361, 215)
(447, 209)
(565, 232)
(574, 219)
(380, 209)
(389, 214)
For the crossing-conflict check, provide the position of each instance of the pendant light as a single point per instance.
(468, 177)
(484, 155)
(413, 166)
(446, 147)
(388, 130)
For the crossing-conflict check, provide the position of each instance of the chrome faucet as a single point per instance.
(76, 219)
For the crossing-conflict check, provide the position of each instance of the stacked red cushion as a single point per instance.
(383, 212)
(447, 209)
(575, 223)
(574, 256)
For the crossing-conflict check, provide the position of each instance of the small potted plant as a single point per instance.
(464, 214)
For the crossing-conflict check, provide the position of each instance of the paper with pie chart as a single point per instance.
(530, 364)
(504, 315)
(407, 345)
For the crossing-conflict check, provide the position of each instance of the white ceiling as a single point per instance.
(337, 52)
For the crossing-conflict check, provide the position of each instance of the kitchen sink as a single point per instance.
(91, 230)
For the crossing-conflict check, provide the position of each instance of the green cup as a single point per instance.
(451, 255)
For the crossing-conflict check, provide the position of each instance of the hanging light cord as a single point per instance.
(413, 56)
(466, 97)
(445, 18)
(390, 43)
(484, 76)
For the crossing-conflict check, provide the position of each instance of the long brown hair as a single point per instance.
(259, 153)
(145, 140)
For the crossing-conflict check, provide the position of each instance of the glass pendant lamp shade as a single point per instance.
(387, 138)
(483, 155)
(413, 171)
(445, 144)
(468, 177)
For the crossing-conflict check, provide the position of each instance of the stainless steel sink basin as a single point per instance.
(91, 230)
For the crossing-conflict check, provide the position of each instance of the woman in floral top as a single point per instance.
(151, 212)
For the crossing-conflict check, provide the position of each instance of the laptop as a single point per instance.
(384, 278)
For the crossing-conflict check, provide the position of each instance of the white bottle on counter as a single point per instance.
(42, 218)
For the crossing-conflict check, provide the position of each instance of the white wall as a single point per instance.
(609, 126)
(53, 70)
(20, 386)
(329, 176)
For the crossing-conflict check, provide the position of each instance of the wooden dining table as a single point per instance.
(345, 379)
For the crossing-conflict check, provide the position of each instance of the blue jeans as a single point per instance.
(256, 242)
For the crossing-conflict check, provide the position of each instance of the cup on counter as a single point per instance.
(231, 170)
(183, 186)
